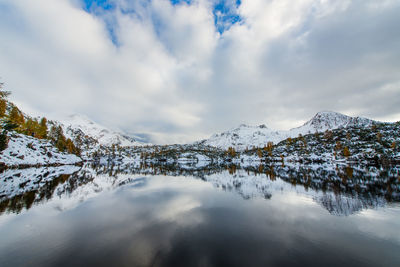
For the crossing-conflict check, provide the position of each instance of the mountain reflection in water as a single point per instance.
(342, 190)
(200, 215)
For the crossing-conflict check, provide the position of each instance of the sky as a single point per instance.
(177, 71)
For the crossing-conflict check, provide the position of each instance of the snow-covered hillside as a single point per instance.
(24, 150)
(246, 136)
(79, 125)
(328, 120)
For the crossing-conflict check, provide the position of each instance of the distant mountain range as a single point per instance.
(240, 138)
(79, 125)
(246, 136)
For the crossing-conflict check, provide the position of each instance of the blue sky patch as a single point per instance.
(177, 2)
(98, 7)
(225, 14)
(224, 11)
(91, 5)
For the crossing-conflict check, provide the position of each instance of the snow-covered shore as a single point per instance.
(26, 151)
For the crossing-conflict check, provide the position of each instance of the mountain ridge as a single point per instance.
(77, 124)
(246, 136)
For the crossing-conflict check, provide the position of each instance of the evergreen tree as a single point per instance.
(4, 139)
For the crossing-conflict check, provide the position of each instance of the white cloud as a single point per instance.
(172, 75)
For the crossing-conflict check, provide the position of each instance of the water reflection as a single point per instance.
(180, 221)
(341, 190)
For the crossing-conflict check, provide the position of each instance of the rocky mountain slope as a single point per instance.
(79, 125)
(246, 136)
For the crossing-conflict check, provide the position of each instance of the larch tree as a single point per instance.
(3, 107)
(346, 152)
(17, 118)
(231, 152)
(30, 127)
(269, 148)
(259, 153)
(42, 131)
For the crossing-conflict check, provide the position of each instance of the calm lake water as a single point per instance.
(207, 216)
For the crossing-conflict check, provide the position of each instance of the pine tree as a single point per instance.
(3, 141)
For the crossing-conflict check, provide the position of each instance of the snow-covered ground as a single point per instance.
(246, 136)
(29, 151)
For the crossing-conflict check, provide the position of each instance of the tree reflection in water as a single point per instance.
(342, 190)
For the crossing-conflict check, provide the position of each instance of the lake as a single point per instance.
(166, 215)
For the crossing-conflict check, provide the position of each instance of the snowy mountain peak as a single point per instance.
(77, 124)
(243, 126)
(326, 120)
(76, 119)
(246, 136)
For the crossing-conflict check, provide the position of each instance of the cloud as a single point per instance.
(182, 70)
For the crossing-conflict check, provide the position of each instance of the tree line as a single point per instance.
(12, 119)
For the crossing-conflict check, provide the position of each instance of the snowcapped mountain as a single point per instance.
(79, 125)
(246, 136)
(327, 120)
